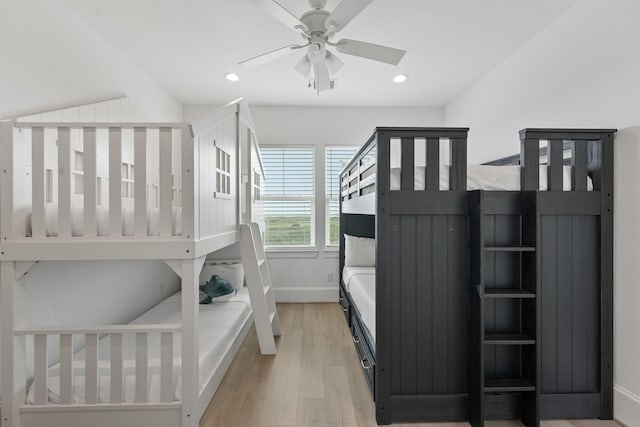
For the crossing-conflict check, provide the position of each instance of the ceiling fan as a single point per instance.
(317, 27)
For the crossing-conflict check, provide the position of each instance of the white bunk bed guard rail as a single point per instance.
(97, 180)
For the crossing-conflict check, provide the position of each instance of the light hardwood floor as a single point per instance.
(314, 380)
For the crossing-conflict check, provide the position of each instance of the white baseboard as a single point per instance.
(307, 294)
(626, 406)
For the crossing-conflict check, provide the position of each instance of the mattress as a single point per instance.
(219, 324)
(484, 177)
(102, 220)
(360, 282)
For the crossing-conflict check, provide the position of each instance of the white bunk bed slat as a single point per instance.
(142, 372)
(89, 163)
(66, 371)
(166, 367)
(38, 184)
(116, 368)
(140, 180)
(188, 165)
(115, 181)
(91, 368)
(40, 375)
(64, 182)
(165, 181)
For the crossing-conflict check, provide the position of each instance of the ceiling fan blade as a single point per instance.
(303, 66)
(268, 57)
(334, 63)
(275, 9)
(322, 77)
(345, 12)
(372, 51)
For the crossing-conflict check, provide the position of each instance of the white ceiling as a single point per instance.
(187, 45)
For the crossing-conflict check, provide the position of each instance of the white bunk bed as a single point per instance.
(123, 191)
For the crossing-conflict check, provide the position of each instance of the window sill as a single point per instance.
(292, 253)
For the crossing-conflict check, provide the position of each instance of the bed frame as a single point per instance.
(178, 162)
(490, 305)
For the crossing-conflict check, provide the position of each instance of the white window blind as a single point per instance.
(335, 159)
(288, 195)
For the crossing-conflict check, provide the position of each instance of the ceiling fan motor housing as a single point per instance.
(317, 51)
(315, 21)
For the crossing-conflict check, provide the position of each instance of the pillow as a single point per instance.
(359, 251)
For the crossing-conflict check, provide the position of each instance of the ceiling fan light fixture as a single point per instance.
(232, 77)
(400, 78)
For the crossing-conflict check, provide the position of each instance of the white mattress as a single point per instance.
(360, 282)
(102, 219)
(484, 177)
(220, 323)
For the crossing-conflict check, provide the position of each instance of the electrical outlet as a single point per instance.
(329, 276)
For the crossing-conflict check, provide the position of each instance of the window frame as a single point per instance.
(328, 198)
(311, 198)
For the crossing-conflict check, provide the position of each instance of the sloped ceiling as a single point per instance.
(186, 46)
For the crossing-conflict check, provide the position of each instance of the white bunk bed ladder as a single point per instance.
(265, 314)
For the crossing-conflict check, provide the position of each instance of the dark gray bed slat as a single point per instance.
(555, 162)
(408, 313)
(570, 203)
(407, 180)
(529, 163)
(502, 202)
(424, 253)
(458, 159)
(432, 173)
(428, 202)
(579, 163)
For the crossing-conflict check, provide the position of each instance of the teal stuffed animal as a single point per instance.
(215, 289)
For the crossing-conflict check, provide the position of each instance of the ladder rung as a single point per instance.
(272, 316)
(509, 248)
(497, 385)
(508, 339)
(261, 262)
(507, 293)
(266, 289)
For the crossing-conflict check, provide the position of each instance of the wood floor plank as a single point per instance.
(315, 380)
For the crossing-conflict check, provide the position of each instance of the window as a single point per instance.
(335, 159)
(127, 180)
(257, 186)
(223, 174)
(78, 172)
(288, 195)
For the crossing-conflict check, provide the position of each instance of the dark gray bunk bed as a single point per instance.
(489, 304)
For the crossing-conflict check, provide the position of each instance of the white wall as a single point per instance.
(50, 59)
(302, 276)
(582, 71)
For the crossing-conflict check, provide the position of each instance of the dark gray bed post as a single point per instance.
(383, 238)
(606, 275)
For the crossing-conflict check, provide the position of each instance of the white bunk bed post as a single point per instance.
(165, 181)
(140, 180)
(64, 182)
(190, 348)
(13, 347)
(189, 225)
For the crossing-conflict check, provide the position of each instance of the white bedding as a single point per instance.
(102, 219)
(220, 322)
(360, 282)
(484, 177)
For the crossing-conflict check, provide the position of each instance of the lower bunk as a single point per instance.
(134, 377)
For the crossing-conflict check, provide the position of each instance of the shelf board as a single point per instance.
(497, 385)
(507, 293)
(508, 339)
(509, 248)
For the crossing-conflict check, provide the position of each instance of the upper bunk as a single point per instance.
(76, 191)
(425, 169)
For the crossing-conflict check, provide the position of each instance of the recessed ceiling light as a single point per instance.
(232, 77)
(400, 78)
